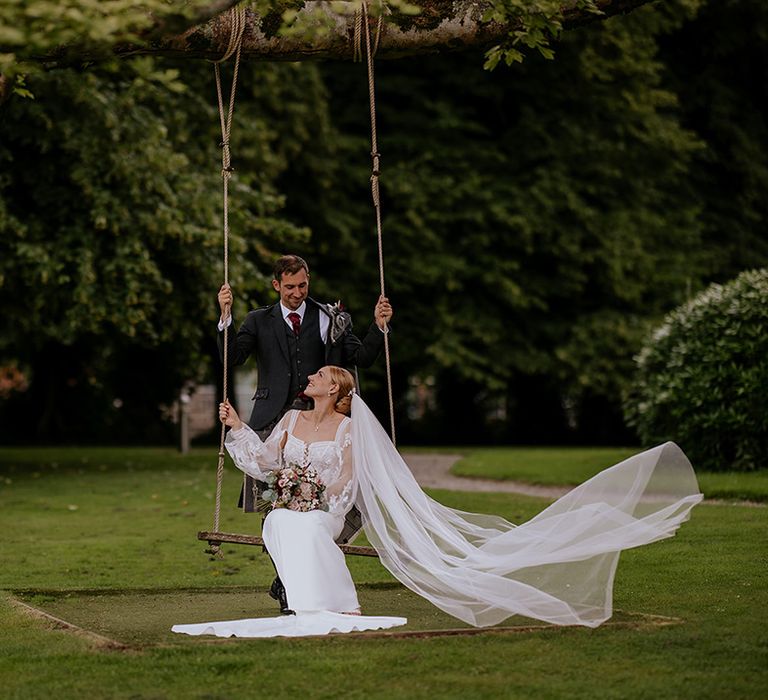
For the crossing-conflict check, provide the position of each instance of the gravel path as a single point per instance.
(434, 471)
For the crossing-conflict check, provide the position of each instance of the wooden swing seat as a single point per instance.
(216, 539)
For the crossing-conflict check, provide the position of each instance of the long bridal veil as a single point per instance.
(557, 567)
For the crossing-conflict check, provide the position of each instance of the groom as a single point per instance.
(290, 340)
(293, 339)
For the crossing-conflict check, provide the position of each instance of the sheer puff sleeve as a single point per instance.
(252, 455)
(340, 493)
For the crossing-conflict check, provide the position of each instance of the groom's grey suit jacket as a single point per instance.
(267, 336)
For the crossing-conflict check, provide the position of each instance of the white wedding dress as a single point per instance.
(318, 585)
(558, 567)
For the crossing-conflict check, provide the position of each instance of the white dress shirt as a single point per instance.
(324, 320)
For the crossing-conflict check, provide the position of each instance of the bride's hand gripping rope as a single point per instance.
(228, 416)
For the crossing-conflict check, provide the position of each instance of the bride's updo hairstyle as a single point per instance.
(346, 383)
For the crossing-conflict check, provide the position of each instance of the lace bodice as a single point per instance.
(332, 459)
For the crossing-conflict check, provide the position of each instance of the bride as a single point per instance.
(318, 585)
(557, 567)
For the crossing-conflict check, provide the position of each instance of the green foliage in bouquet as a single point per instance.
(296, 487)
(702, 377)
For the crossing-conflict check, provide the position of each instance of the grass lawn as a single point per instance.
(573, 465)
(105, 538)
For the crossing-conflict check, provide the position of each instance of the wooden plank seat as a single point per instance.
(218, 538)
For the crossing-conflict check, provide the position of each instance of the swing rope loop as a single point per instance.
(363, 28)
(237, 28)
(357, 38)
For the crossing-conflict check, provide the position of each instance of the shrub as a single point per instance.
(702, 377)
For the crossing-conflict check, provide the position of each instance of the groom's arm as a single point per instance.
(244, 344)
(241, 346)
(363, 353)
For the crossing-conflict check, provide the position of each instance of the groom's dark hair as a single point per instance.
(290, 264)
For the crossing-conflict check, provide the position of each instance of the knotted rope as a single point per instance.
(363, 27)
(357, 39)
(237, 27)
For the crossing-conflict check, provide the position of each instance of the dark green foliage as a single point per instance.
(533, 220)
(537, 221)
(110, 234)
(703, 374)
(717, 64)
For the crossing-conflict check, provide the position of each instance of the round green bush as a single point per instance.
(702, 377)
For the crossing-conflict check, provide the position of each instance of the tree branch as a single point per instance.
(442, 26)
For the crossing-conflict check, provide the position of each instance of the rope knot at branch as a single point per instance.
(361, 16)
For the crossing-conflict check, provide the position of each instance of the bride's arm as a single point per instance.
(252, 455)
(340, 495)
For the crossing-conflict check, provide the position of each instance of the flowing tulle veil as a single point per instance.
(557, 567)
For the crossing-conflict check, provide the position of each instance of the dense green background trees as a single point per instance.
(537, 219)
(551, 211)
(110, 243)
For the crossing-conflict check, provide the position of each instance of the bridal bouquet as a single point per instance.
(295, 487)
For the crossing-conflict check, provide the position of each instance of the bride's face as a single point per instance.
(320, 383)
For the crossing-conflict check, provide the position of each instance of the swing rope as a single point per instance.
(237, 28)
(362, 22)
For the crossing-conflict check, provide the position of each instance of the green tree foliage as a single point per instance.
(702, 374)
(31, 29)
(110, 234)
(717, 63)
(533, 218)
(535, 25)
(537, 220)
(62, 28)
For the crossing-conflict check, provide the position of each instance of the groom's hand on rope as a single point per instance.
(225, 301)
(382, 314)
(228, 416)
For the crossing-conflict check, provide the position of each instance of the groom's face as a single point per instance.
(293, 289)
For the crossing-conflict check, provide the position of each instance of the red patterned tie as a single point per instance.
(295, 320)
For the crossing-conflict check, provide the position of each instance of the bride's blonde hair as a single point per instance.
(346, 383)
